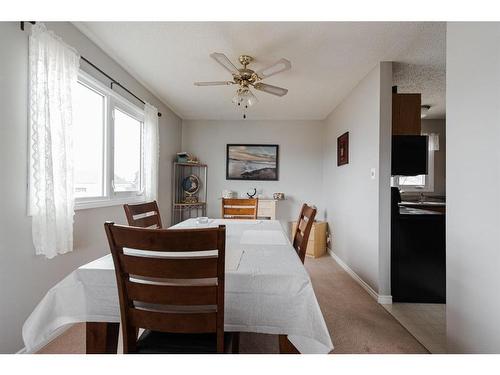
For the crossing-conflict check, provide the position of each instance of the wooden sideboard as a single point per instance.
(316, 246)
(267, 209)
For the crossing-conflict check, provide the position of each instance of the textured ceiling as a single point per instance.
(328, 60)
(425, 79)
(423, 70)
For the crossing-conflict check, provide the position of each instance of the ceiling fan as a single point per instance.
(246, 78)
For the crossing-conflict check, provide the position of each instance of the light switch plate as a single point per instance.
(372, 173)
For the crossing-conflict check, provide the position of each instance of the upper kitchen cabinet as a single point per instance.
(406, 114)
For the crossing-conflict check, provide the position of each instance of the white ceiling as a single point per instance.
(328, 59)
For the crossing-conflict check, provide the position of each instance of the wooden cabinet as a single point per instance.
(266, 209)
(418, 258)
(316, 246)
(406, 114)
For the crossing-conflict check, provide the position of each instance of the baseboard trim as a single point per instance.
(380, 298)
(384, 299)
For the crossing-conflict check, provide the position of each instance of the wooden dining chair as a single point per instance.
(239, 208)
(304, 225)
(144, 215)
(176, 295)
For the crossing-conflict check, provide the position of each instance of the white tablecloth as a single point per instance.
(269, 291)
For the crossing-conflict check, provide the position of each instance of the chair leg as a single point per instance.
(236, 343)
(102, 337)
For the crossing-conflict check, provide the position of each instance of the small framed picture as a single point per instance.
(343, 149)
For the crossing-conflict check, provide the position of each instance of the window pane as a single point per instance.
(88, 122)
(412, 180)
(127, 152)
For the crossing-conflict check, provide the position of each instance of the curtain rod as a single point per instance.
(113, 81)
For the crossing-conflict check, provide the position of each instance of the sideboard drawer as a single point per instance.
(267, 209)
(266, 204)
(265, 212)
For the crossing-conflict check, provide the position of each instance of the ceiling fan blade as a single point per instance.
(225, 62)
(279, 66)
(270, 89)
(214, 83)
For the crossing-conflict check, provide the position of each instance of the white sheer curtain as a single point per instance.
(53, 74)
(151, 152)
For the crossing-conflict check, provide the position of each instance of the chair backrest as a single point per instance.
(144, 215)
(164, 286)
(235, 208)
(304, 225)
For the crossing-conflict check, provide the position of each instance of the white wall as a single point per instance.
(300, 160)
(358, 224)
(384, 182)
(24, 277)
(473, 186)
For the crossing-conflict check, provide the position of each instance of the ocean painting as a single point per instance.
(252, 162)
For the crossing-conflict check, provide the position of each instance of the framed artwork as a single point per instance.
(252, 162)
(343, 149)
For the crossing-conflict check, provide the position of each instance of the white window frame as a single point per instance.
(428, 187)
(112, 101)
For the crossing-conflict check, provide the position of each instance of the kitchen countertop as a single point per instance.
(424, 203)
(416, 211)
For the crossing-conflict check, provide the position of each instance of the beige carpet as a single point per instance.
(357, 324)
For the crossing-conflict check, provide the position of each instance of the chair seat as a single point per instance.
(154, 342)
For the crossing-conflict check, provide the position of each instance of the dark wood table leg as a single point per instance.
(286, 347)
(236, 343)
(102, 337)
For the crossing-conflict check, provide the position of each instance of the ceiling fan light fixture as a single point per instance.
(252, 99)
(237, 98)
(244, 97)
(246, 78)
(424, 110)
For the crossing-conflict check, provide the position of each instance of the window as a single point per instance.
(89, 126)
(108, 146)
(421, 183)
(127, 155)
(412, 180)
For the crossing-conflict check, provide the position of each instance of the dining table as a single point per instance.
(267, 290)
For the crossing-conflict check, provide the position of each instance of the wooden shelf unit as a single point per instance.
(181, 210)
